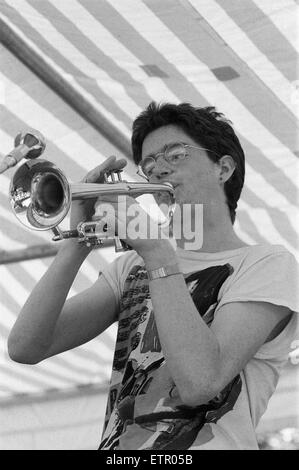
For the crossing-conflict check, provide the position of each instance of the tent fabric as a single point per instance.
(119, 55)
(90, 363)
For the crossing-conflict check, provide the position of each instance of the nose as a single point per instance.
(160, 169)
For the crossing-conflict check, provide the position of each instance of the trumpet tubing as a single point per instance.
(41, 196)
(94, 190)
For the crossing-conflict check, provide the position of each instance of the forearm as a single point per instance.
(33, 330)
(191, 349)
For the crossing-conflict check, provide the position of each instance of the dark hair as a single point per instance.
(207, 127)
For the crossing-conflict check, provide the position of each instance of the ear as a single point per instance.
(225, 168)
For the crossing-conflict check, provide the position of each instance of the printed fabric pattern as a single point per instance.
(144, 410)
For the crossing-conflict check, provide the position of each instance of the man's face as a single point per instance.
(194, 178)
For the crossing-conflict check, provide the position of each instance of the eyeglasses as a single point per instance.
(173, 154)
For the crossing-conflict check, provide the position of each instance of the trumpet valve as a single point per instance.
(114, 175)
(118, 172)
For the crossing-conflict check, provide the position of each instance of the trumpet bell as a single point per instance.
(40, 195)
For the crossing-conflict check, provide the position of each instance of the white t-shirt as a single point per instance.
(144, 409)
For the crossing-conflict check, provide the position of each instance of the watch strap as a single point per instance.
(163, 271)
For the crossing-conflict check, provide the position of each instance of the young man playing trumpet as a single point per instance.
(202, 333)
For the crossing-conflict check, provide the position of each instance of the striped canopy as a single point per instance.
(80, 71)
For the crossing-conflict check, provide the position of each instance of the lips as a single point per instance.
(172, 183)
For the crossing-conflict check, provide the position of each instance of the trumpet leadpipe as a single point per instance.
(95, 190)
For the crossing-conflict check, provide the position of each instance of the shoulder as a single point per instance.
(256, 252)
(267, 273)
(263, 257)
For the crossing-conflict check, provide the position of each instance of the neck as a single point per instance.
(209, 231)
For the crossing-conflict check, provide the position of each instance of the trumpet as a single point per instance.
(41, 196)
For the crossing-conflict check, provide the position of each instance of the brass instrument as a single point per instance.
(41, 197)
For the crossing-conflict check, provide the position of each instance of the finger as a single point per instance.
(112, 163)
(120, 163)
(97, 173)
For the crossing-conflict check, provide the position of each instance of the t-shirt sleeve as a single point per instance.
(272, 278)
(117, 271)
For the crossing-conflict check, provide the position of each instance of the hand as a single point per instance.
(123, 216)
(83, 210)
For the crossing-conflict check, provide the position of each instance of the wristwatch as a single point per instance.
(164, 271)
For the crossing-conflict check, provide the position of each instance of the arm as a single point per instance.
(48, 324)
(203, 360)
